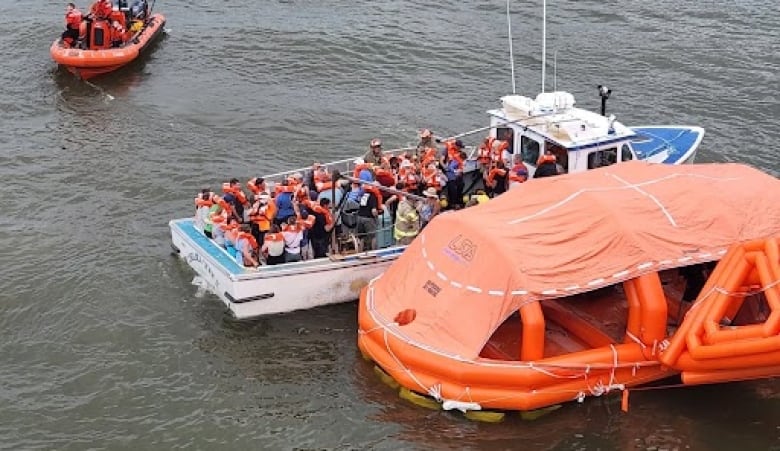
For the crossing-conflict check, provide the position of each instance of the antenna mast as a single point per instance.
(544, 39)
(511, 56)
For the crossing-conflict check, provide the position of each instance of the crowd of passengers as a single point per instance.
(121, 15)
(292, 221)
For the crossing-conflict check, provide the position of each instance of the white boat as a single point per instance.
(269, 289)
(250, 292)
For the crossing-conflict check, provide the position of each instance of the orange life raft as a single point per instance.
(525, 302)
(101, 58)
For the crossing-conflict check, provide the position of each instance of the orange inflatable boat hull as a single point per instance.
(87, 64)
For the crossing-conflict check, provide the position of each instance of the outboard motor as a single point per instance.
(139, 10)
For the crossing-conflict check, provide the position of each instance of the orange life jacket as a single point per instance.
(248, 237)
(545, 158)
(485, 151)
(519, 173)
(271, 238)
(429, 156)
(263, 220)
(119, 16)
(410, 181)
(279, 189)
(201, 202)
(319, 209)
(236, 191)
(431, 178)
(322, 180)
(495, 172)
(231, 234)
(307, 223)
(254, 187)
(498, 147)
(101, 9)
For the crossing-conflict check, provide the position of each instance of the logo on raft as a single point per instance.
(461, 250)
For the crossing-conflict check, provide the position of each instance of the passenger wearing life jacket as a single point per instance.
(218, 211)
(261, 216)
(519, 172)
(430, 177)
(485, 155)
(384, 175)
(273, 246)
(225, 231)
(306, 220)
(73, 19)
(256, 186)
(497, 180)
(101, 9)
(321, 178)
(426, 142)
(246, 247)
(293, 236)
(320, 230)
(545, 166)
(429, 155)
(229, 231)
(240, 201)
(407, 221)
(454, 150)
(203, 202)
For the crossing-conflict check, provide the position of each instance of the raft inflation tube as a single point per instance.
(535, 381)
(710, 347)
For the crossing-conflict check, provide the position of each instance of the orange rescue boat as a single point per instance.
(100, 57)
(571, 287)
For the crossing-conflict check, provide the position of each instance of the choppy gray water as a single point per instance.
(105, 343)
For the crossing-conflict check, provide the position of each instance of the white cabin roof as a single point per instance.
(554, 116)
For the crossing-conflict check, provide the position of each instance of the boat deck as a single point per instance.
(187, 227)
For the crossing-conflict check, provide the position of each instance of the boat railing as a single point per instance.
(343, 165)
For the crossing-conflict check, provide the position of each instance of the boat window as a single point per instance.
(625, 153)
(601, 158)
(529, 150)
(508, 135)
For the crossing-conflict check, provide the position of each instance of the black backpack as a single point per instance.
(349, 213)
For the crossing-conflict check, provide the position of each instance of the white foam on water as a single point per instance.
(203, 286)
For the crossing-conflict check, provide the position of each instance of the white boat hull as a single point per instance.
(249, 292)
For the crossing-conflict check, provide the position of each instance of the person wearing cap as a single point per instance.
(374, 154)
(430, 207)
(426, 142)
(261, 216)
